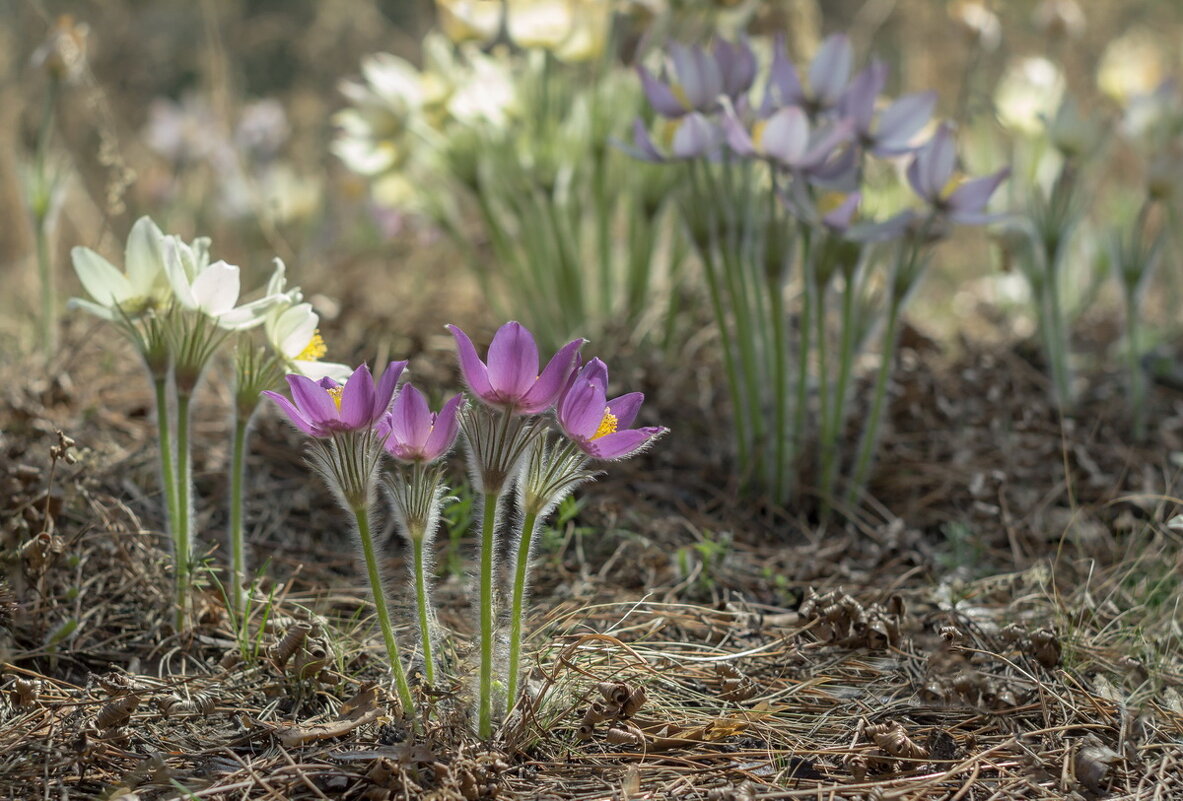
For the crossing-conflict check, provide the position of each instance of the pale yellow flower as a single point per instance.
(1028, 94)
(1131, 65)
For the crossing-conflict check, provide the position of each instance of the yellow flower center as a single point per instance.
(335, 394)
(314, 350)
(954, 183)
(681, 96)
(607, 425)
(830, 201)
(758, 134)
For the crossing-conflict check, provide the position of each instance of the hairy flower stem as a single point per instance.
(184, 506)
(516, 610)
(801, 401)
(485, 698)
(237, 589)
(167, 463)
(41, 203)
(870, 438)
(362, 517)
(424, 610)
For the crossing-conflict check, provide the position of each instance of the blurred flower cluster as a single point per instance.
(798, 189)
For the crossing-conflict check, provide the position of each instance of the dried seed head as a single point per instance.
(117, 712)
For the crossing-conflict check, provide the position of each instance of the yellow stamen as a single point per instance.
(830, 201)
(607, 425)
(956, 181)
(758, 135)
(335, 394)
(314, 350)
(681, 96)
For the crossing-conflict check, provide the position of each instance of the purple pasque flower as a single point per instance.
(511, 380)
(932, 175)
(690, 137)
(829, 73)
(787, 138)
(691, 81)
(413, 433)
(598, 426)
(324, 408)
(838, 215)
(737, 66)
(891, 134)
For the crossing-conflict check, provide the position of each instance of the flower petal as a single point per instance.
(447, 426)
(622, 444)
(784, 86)
(476, 375)
(625, 408)
(143, 258)
(696, 136)
(933, 165)
(385, 388)
(294, 330)
(830, 70)
(101, 279)
(659, 95)
(785, 135)
(513, 362)
(972, 196)
(357, 399)
(314, 403)
(293, 414)
(582, 410)
(178, 276)
(216, 288)
(410, 419)
(595, 370)
(900, 121)
(858, 101)
(550, 382)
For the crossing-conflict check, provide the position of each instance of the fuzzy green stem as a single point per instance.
(167, 463)
(1133, 362)
(184, 506)
(832, 432)
(801, 402)
(361, 515)
(421, 602)
(237, 590)
(47, 324)
(516, 611)
(824, 398)
(870, 438)
(485, 699)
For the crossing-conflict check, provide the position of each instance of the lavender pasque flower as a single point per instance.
(511, 380)
(413, 433)
(598, 426)
(324, 408)
(932, 176)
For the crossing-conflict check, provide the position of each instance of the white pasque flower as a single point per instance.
(119, 295)
(290, 327)
(210, 289)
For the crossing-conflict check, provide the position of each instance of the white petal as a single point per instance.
(278, 278)
(319, 370)
(101, 280)
(250, 314)
(216, 289)
(104, 312)
(144, 256)
(295, 330)
(174, 268)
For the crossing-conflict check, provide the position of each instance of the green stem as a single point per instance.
(421, 601)
(237, 591)
(832, 432)
(41, 204)
(824, 398)
(870, 438)
(1058, 337)
(184, 506)
(1137, 376)
(485, 709)
(516, 611)
(361, 515)
(167, 463)
(801, 402)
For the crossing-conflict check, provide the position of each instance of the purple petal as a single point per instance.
(858, 102)
(737, 65)
(643, 147)
(823, 143)
(622, 444)
(785, 135)
(972, 196)
(582, 410)
(838, 174)
(385, 389)
(840, 218)
(698, 75)
(736, 134)
(443, 434)
(513, 362)
(551, 381)
(933, 166)
(696, 136)
(902, 120)
(784, 87)
(293, 414)
(597, 372)
(830, 69)
(883, 231)
(357, 399)
(625, 408)
(476, 375)
(659, 95)
(410, 419)
(313, 401)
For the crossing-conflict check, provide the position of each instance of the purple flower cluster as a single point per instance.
(817, 131)
(509, 380)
